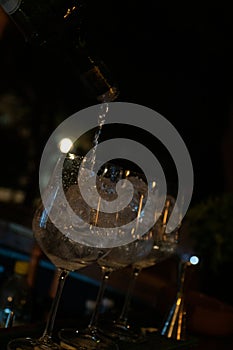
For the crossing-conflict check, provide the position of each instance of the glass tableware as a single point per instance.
(164, 245)
(118, 258)
(55, 240)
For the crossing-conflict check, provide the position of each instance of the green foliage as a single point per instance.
(210, 225)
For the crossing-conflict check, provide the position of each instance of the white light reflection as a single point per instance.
(194, 260)
(65, 145)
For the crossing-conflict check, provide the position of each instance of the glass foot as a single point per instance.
(32, 344)
(123, 332)
(89, 339)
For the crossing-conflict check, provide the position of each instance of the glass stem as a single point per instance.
(53, 311)
(94, 318)
(182, 276)
(174, 325)
(123, 318)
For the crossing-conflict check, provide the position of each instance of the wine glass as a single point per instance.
(57, 240)
(164, 245)
(121, 255)
(118, 258)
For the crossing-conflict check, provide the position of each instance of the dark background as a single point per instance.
(173, 57)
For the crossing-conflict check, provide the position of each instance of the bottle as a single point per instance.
(57, 25)
(15, 297)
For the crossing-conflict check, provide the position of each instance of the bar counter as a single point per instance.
(153, 340)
